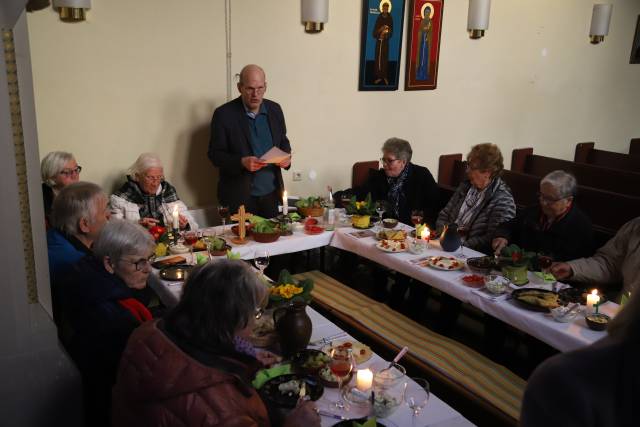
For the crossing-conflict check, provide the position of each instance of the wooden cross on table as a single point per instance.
(241, 217)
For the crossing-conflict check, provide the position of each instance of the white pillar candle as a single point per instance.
(426, 234)
(592, 299)
(285, 204)
(176, 218)
(364, 379)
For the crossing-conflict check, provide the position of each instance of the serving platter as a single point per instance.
(271, 393)
(391, 246)
(445, 263)
(536, 299)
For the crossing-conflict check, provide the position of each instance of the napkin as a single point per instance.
(265, 375)
(547, 277)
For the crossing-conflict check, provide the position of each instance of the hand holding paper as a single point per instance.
(276, 156)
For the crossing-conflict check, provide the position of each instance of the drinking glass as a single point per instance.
(261, 260)
(544, 262)
(463, 232)
(341, 365)
(416, 394)
(223, 212)
(381, 206)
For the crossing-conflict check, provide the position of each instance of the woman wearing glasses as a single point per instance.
(187, 369)
(555, 227)
(103, 300)
(147, 198)
(58, 169)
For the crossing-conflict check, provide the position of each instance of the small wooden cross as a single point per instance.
(241, 217)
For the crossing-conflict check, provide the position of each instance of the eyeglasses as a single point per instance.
(258, 312)
(388, 161)
(257, 90)
(150, 178)
(71, 172)
(546, 199)
(141, 264)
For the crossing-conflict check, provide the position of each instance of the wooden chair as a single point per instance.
(360, 172)
(587, 153)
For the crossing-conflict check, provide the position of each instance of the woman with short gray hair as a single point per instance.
(555, 227)
(146, 198)
(195, 352)
(103, 301)
(58, 169)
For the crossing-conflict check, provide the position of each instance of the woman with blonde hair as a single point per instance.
(147, 198)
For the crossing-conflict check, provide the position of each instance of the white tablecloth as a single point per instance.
(562, 336)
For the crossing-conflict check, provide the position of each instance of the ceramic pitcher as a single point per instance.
(293, 326)
(450, 240)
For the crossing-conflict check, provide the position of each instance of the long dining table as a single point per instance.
(561, 336)
(436, 414)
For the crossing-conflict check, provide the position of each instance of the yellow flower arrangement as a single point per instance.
(286, 291)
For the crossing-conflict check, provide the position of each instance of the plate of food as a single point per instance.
(361, 352)
(391, 246)
(284, 391)
(473, 280)
(447, 263)
(310, 361)
(536, 299)
(168, 261)
(569, 295)
(396, 235)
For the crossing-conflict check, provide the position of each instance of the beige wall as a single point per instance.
(145, 75)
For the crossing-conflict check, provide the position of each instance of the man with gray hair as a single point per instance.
(555, 227)
(242, 130)
(78, 215)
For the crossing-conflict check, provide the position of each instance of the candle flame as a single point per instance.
(594, 292)
(425, 233)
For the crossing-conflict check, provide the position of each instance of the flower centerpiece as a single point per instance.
(286, 289)
(311, 206)
(515, 263)
(361, 211)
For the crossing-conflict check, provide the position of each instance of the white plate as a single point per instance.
(445, 263)
(392, 246)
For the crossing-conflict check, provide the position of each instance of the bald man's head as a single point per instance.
(252, 86)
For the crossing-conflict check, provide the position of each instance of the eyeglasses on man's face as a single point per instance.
(140, 264)
(548, 199)
(71, 172)
(254, 90)
(387, 161)
(153, 178)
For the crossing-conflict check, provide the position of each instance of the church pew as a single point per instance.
(587, 153)
(615, 180)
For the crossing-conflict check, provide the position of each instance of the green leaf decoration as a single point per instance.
(233, 255)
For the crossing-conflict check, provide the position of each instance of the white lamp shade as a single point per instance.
(478, 18)
(600, 19)
(315, 11)
(77, 4)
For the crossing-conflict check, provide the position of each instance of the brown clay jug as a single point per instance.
(293, 326)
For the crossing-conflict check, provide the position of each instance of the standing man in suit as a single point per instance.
(243, 130)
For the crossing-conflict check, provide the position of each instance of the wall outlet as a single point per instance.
(296, 176)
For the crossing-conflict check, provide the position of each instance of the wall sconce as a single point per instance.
(72, 10)
(315, 13)
(600, 20)
(478, 18)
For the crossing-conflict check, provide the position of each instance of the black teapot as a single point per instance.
(450, 239)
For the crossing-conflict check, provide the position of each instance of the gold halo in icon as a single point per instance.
(387, 2)
(424, 6)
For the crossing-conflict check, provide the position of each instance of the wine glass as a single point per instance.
(544, 262)
(416, 394)
(416, 218)
(341, 365)
(223, 212)
(463, 232)
(261, 260)
(381, 206)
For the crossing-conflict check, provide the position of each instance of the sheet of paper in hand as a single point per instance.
(275, 156)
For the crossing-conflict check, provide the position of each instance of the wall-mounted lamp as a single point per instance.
(72, 10)
(315, 13)
(600, 20)
(478, 18)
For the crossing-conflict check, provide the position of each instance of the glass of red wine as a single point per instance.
(341, 365)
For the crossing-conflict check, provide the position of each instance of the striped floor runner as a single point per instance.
(466, 367)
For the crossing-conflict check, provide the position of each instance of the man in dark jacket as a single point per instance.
(242, 131)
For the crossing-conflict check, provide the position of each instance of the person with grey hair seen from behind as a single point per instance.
(147, 198)
(242, 130)
(104, 299)
(556, 227)
(197, 375)
(58, 169)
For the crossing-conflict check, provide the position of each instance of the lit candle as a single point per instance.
(285, 203)
(364, 379)
(426, 234)
(592, 299)
(176, 218)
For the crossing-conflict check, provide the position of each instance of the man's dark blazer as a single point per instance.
(230, 140)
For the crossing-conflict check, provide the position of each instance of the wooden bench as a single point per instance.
(615, 180)
(587, 153)
(491, 389)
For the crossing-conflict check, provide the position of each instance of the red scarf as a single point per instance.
(135, 307)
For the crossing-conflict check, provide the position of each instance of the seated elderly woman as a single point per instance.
(482, 202)
(79, 213)
(197, 376)
(556, 227)
(58, 169)
(104, 300)
(404, 185)
(147, 198)
(617, 261)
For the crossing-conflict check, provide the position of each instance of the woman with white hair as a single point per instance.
(58, 169)
(555, 227)
(103, 301)
(147, 198)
